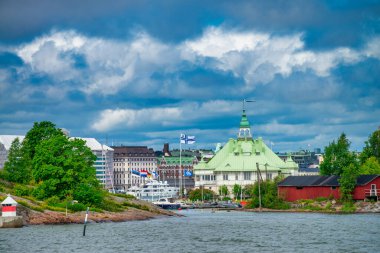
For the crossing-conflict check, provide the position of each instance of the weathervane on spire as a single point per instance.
(247, 101)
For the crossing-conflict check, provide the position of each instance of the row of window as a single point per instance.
(134, 159)
(226, 177)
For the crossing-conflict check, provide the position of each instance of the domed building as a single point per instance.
(242, 161)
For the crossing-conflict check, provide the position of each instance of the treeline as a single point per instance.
(55, 166)
(339, 160)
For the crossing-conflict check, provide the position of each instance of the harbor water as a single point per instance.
(206, 231)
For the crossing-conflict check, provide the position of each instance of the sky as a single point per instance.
(142, 72)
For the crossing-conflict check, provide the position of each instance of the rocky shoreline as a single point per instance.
(31, 217)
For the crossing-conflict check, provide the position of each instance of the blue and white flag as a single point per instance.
(155, 174)
(187, 139)
(187, 173)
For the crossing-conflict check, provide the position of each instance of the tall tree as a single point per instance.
(372, 147)
(40, 131)
(370, 167)
(347, 181)
(337, 157)
(237, 191)
(15, 169)
(63, 167)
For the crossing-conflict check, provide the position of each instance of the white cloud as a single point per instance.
(114, 65)
(121, 118)
(258, 57)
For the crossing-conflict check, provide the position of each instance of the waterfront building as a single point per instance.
(5, 145)
(169, 170)
(103, 163)
(132, 158)
(242, 161)
(294, 188)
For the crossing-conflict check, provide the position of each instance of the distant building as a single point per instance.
(129, 158)
(236, 162)
(5, 145)
(103, 163)
(169, 170)
(310, 187)
(308, 162)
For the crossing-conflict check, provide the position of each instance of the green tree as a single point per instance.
(63, 167)
(201, 194)
(370, 167)
(372, 147)
(237, 191)
(40, 131)
(347, 181)
(248, 190)
(14, 168)
(223, 190)
(269, 198)
(337, 157)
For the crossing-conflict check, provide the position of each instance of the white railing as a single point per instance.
(372, 193)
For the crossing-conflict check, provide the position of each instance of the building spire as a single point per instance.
(245, 127)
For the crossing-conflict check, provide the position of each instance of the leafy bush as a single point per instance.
(88, 193)
(35, 208)
(53, 201)
(111, 206)
(125, 196)
(137, 206)
(348, 207)
(76, 207)
(320, 199)
(199, 194)
(22, 190)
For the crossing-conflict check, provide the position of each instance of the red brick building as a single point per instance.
(294, 188)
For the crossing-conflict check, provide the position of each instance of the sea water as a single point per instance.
(206, 231)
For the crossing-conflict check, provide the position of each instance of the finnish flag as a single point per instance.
(187, 139)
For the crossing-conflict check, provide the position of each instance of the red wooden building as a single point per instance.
(294, 188)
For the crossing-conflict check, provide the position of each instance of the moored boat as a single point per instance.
(153, 190)
(167, 203)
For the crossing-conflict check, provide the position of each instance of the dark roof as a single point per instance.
(322, 180)
(303, 169)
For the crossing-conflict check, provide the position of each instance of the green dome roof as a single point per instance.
(244, 123)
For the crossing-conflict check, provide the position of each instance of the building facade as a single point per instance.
(177, 171)
(103, 163)
(132, 158)
(311, 187)
(242, 161)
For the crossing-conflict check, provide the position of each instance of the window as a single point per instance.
(247, 175)
(269, 176)
(236, 176)
(333, 187)
(299, 187)
(225, 177)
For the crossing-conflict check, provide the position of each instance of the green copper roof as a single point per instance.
(175, 160)
(242, 155)
(244, 123)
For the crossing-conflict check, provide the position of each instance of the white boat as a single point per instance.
(167, 203)
(153, 190)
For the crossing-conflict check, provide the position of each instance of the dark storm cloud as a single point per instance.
(140, 72)
(325, 23)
